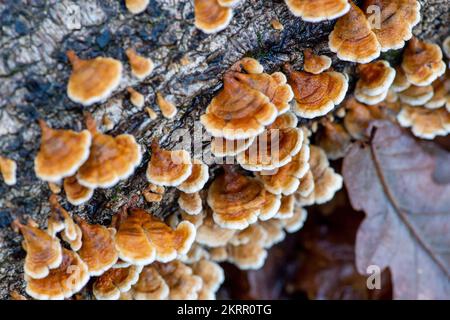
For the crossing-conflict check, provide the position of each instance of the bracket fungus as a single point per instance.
(358, 116)
(168, 168)
(61, 154)
(315, 64)
(211, 234)
(167, 108)
(353, 38)
(44, 252)
(136, 6)
(316, 95)
(221, 147)
(286, 180)
(287, 207)
(150, 286)
(297, 221)
(441, 93)
(76, 193)
(136, 98)
(318, 10)
(425, 123)
(113, 282)
(111, 159)
(334, 139)
(141, 67)
(142, 238)
(212, 277)
(416, 96)
(92, 80)
(153, 193)
(400, 82)
(247, 103)
(98, 249)
(374, 81)
(422, 62)
(8, 169)
(198, 178)
(191, 203)
(62, 282)
(395, 22)
(213, 15)
(446, 47)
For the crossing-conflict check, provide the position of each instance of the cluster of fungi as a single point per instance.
(279, 167)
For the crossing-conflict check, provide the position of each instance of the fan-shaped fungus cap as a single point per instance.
(316, 95)
(92, 80)
(111, 159)
(136, 6)
(60, 220)
(400, 81)
(76, 193)
(375, 78)
(212, 235)
(8, 170)
(353, 39)
(274, 232)
(212, 275)
(43, 251)
(191, 203)
(168, 168)
(150, 286)
(286, 180)
(284, 121)
(113, 282)
(141, 67)
(334, 139)
(318, 10)
(272, 149)
(198, 178)
(314, 63)
(247, 256)
(254, 234)
(136, 98)
(441, 93)
(64, 281)
(248, 102)
(153, 193)
(425, 123)
(416, 96)
(397, 19)
(422, 62)
(287, 207)
(61, 153)
(221, 147)
(211, 16)
(182, 283)
(235, 199)
(168, 109)
(218, 254)
(196, 220)
(446, 47)
(142, 239)
(297, 221)
(98, 250)
(358, 117)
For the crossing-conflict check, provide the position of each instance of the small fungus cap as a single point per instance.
(318, 10)
(191, 203)
(314, 63)
(198, 178)
(212, 15)
(212, 235)
(92, 80)
(76, 193)
(8, 169)
(141, 67)
(113, 282)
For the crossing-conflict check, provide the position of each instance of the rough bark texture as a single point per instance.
(34, 36)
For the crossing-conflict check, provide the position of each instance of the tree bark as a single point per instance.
(34, 37)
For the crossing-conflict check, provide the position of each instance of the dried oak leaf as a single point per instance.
(393, 179)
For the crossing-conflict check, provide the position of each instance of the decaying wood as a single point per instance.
(34, 36)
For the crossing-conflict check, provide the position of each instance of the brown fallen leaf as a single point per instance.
(407, 224)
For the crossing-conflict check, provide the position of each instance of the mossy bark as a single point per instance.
(34, 71)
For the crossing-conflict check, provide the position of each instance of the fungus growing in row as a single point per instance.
(98, 249)
(63, 282)
(198, 178)
(191, 203)
(221, 147)
(136, 98)
(212, 235)
(286, 180)
(441, 93)
(314, 63)
(150, 286)
(168, 168)
(316, 95)
(167, 108)
(212, 15)
(142, 238)
(141, 67)
(238, 200)
(111, 159)
(136, 6)
(396, 21)
(153, 193)
(61, 154)
(196, 220)
(8, 169)
(358, 117)
(212, 275)
(248, 101)
(334, 139)
(297, 221)
(318, 10)
(76, 193)
(422, 62)
(92, 80)
(353, 39)
(286, 210)
(113, 282)
(253, 234)
(272, 149)
(425, 123)
(250, 256)
(416, 96)
(374, 81)
(44, 252)
(400, 81)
